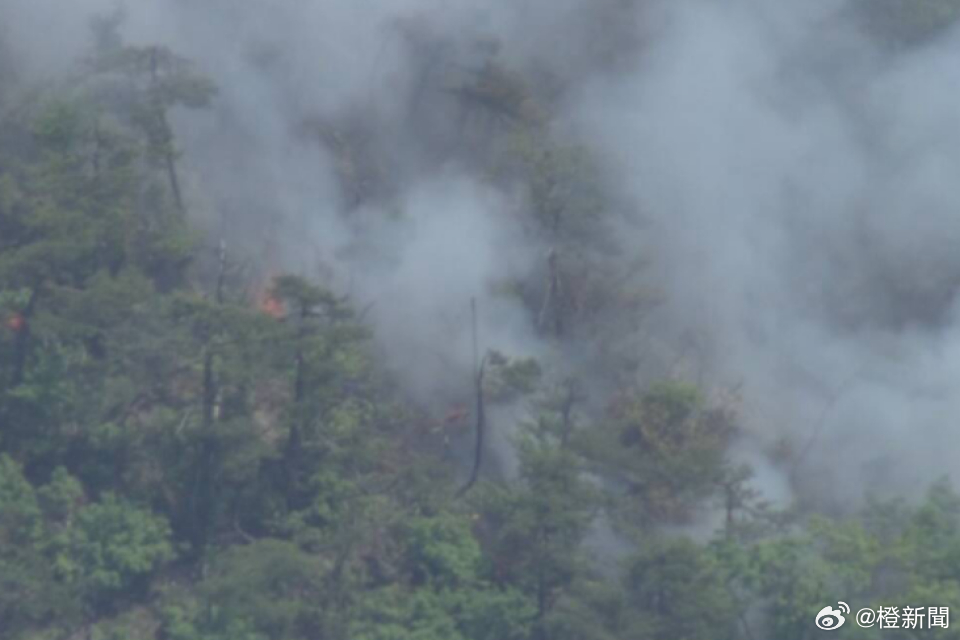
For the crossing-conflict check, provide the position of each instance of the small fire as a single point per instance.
(16, 323)
(271, 306)
(453, 420)
(266, 300)
(456, 415)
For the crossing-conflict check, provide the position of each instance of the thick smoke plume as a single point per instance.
(792, 183)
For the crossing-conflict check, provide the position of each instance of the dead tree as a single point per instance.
(481, 418)
(552, 297)
(204, 496)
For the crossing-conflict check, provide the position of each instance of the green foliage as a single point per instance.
(509, 378)
(394, 614)
(564, 186)
(188, 618)
(441, 551)
(441, 590)
(29, 593)
(534, 530)
(399, 614)
(69, 553)
(674, 588)
(273, 585)
(664, 448)
(20, 514)
(110, 548)
(211, 627)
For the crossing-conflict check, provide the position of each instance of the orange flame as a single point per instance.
(266, 300)
(16, 323)
(271, 306)
(456, 414)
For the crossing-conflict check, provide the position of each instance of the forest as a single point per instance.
(570, 320)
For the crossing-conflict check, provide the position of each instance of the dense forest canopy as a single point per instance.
(544, 320)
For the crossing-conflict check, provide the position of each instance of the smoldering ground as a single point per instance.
(796, 179)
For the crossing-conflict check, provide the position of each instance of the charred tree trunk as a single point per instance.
(294, 446)
(566, 413)
(543, 593)
(481, 417)
(172, 173)
(205, 495)
(550, 309)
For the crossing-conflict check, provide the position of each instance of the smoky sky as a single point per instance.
(806, 181)
(792, 182)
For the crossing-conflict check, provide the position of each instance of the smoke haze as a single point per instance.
(792, 184)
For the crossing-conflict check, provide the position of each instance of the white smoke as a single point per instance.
(799, 183)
